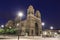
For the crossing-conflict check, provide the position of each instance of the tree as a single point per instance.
(7, 31)
(10, 23)
(12, 31)
(2, 31)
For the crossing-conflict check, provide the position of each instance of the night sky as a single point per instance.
(50, 10)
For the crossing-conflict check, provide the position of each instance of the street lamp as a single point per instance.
(51, 27)
(20, 14)
(2, 26)
(43, 24)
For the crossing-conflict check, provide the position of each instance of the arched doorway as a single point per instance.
(36, 29)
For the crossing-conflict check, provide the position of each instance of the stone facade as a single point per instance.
(31, 25)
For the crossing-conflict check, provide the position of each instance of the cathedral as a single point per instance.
(31, 25)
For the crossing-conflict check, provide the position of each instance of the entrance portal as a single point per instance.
(36, 29)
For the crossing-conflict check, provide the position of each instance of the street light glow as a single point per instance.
(55, 33)
(51, 27)
(17, 24)
(10, 27)
(20, 14)
(45, 33)
(2, 26)
(43, 23)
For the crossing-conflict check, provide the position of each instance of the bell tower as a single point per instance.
(30, 10)
(33, 22)
(30, 21)
(38, 27)
(38, 15)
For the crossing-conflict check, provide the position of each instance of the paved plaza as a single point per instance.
(28, 38)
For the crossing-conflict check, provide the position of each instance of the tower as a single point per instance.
(38, 14)
(30, 20)
(33, 22)
(38, 27)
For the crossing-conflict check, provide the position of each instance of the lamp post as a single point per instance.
(20, 14)
(42, 25)
(51, 27)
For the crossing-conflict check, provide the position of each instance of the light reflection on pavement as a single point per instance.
(30, 38)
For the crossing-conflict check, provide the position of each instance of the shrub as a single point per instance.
(2, 31)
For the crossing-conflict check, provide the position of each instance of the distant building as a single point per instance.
(49, 33)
